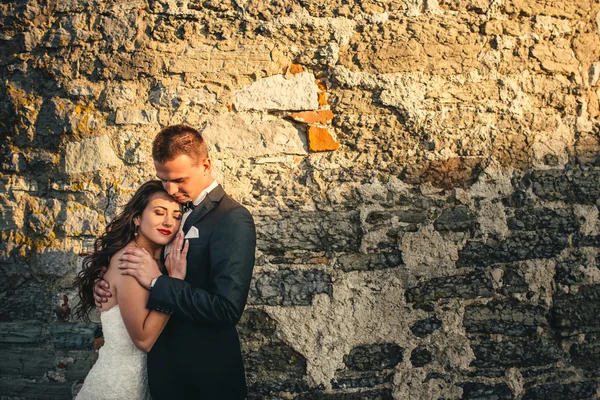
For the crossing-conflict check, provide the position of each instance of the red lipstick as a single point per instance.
(165, 232)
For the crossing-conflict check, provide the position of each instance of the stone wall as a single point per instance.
(424, 177)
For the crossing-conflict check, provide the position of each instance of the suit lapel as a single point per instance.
(204, 207)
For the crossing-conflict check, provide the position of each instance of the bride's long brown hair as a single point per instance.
(119, 232)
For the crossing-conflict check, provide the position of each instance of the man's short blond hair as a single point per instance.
(175, 140)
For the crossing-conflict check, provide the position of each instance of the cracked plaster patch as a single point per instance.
(363, 306)
(554, 143)
(429, 254)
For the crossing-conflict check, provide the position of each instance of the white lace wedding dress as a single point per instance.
(120, 371)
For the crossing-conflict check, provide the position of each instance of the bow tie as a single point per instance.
(188, 206)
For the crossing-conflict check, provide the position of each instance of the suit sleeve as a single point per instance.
(232, 247)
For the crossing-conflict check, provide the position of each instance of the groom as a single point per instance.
(197, 356)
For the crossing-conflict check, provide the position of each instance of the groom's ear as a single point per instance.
(206, 165)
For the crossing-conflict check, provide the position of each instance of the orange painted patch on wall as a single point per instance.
(296, 69)
(322, 94)
(313, 117)
(320, 139)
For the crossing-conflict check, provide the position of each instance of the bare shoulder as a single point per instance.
(113, 270)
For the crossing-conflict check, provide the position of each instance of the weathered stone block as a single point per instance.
(206, 58)
(507, 317)
(480, 391)
(364, 379)
(253, 136)
(26, 363)
(369, 262)
(396, 48)
(514, 279)
(31, 300)
(468, 286)
(576, 390)
(458, 219)
(374, 357)
(181, 96)
(570, 270)
(120, 94)
(515, 353)
(78, 220)
(420, 357)
(136, 117)
(73, 336)
(53, 263)
(551, 8)
(556, 56)
(587, 355)
(288, 288)
(573, 186)
(22, 334)
(518, 246)
(580, 240)
(255, 325)
(299, 92)
(90, 155)
(577, 313)
(272, 389)
(42, 219)
(312, 231)
(11, 215)
(24, 388)
(375, 394)
(425, 327)
(559, 220)
(415, 216)
(284, 362)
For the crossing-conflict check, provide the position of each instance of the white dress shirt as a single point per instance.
(186, 214)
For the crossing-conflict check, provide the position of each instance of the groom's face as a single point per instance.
(183, 178)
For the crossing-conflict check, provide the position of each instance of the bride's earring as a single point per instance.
(135, 233)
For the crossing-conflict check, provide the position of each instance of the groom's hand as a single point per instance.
(139, 264)
(101, 289)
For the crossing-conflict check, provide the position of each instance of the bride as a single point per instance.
(150, 220)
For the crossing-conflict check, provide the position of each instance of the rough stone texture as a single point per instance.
(479, 391)
(510, 317)
(420, 357)
(250, 135)
(90, 155)
(576, 313)
(299, 92)
(516, 353)
(447, 248)
(518, 246)
(288, 288)
(426, 327)
(374, 357)
(577, 390)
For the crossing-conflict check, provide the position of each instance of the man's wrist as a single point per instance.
(153, 282)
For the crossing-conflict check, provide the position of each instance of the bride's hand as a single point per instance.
(176, 261)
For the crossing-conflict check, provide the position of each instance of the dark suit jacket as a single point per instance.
(198, 355)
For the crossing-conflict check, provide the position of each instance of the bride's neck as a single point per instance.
(143, 243)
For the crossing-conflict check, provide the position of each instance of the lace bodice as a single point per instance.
(116, 338)
(120, 371)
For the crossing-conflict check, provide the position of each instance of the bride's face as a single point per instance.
(161, 219)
